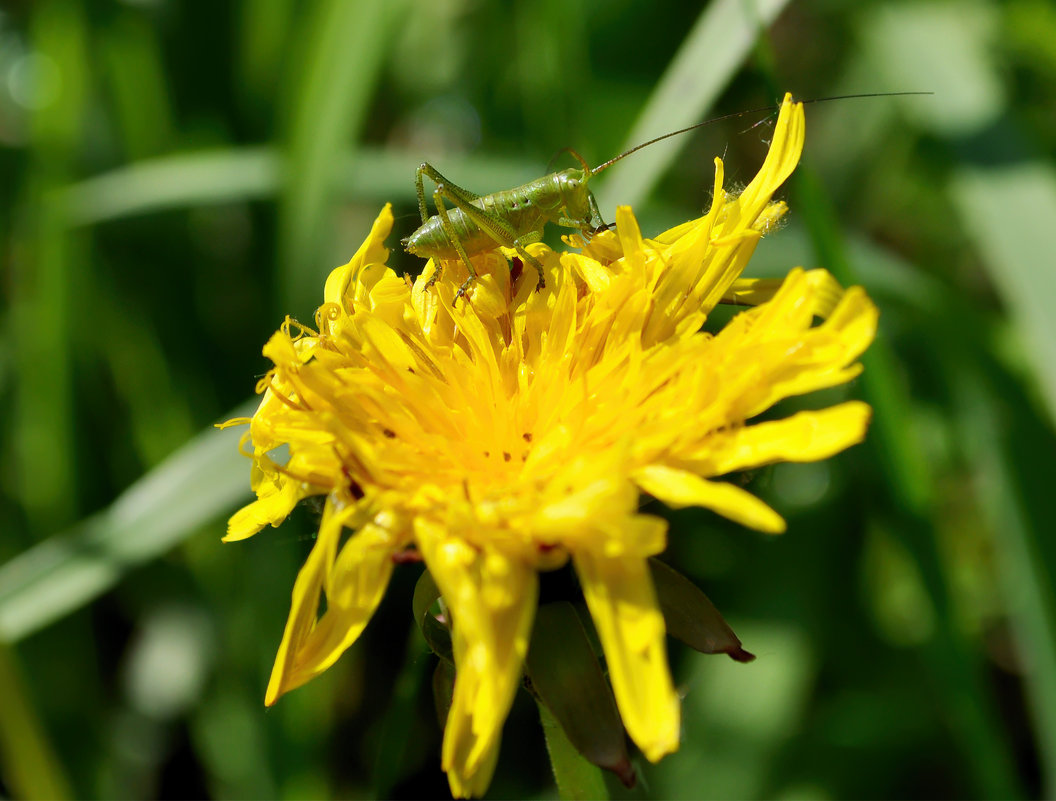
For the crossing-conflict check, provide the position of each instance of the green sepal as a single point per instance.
(691, 618)
(565, 674)
(576, 777)
(443, 689)
(436, 634)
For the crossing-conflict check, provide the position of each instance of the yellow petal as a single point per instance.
(276, 496)
(803, 437)
(341, 285)
(619, 593)
(582, 509)
(594, 274)
(631, 240)
(785, 149)
(854, 321)
(492, 600)
(357, 581)
(826, 291)
(780, 355)
(487, 295)
(678, 488)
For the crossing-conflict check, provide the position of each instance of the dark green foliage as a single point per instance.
(177, 176)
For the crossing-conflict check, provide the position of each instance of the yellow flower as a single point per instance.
(514, 430)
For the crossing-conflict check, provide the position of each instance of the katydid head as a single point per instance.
(571, 185)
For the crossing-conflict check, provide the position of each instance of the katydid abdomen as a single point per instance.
(518, 208)
(430, 241)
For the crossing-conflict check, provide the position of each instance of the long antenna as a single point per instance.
(736, 114)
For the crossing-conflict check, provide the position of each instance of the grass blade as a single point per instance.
(194, 486)
(713, 51)
(1008, 213)
(234, 174)
(1022, 572)
(340, 58)
(30, 768)
(169, 182)
(47, 263)
(956, 666)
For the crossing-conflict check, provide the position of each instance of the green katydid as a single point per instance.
(514, 218)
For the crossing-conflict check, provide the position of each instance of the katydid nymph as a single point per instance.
(467, 224)
(511, 218)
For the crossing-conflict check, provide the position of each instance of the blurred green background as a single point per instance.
(177, 176)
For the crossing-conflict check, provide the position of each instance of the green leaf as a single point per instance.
(911, 483)
(950, 46)
(45, 277)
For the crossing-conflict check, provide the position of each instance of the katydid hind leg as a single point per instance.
(419, 187)
(452, 191)
(494, 226)
(459, 197)
(503, 234)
